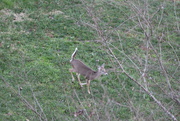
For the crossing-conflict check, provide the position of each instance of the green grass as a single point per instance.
(37, 39)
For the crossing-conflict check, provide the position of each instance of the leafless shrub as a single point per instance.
(144, 19)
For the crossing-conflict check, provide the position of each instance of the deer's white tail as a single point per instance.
(73, 55)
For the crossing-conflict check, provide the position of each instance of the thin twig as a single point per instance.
(27, 104)
(149, 93)
(82, 105)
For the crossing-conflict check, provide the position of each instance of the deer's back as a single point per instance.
(82, 69)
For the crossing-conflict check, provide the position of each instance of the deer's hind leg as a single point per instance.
(72, 70)
(78, 76)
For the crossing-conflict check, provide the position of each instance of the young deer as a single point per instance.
(81, 69)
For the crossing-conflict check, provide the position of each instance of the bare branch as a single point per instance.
(149, 93)
(27, 104)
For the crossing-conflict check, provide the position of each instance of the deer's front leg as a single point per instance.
(88, 86)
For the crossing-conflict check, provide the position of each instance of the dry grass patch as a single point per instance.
(18, 17)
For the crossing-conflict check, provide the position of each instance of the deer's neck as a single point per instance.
(97, 74)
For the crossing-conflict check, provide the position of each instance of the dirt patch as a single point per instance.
(21, 17)
(56, 12)
(18, 17)
(5, 12)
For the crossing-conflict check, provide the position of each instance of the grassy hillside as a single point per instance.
(138, 40)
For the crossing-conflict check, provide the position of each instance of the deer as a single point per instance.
(81, 69)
